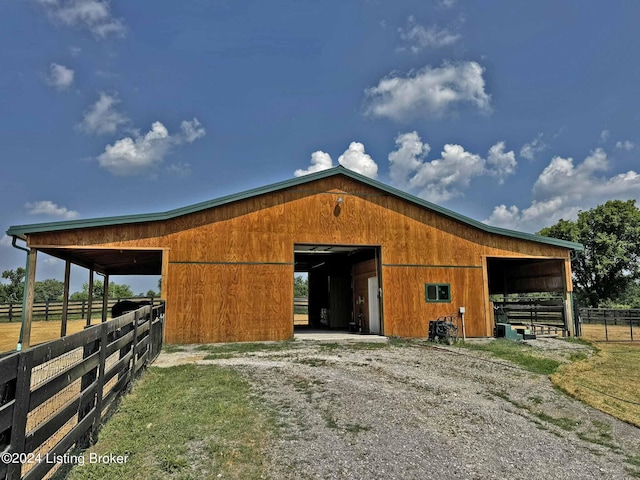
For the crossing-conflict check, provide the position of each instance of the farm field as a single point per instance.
(616, 333)
(359, 410)
(42, 331)
(609, 381)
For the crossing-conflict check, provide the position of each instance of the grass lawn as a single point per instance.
(517, 353)
(608, 381)
(186, 422)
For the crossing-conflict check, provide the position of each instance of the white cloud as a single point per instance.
(102, 117)
(60, 77)
(448, 3)
(140, 153)
(447, 177)
(6, 240)
(407, 159)
(192, 130)
(626, 145)
(354, 158)
(503, 163)
(52, 261)
(319, 161)
(47, 207)
(563, 189)
(180, 169)
(92, 14)
(429, 92)
(418, 37)
(131, 156)
(604, 135)
(529, 150)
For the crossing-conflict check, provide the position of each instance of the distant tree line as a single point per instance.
(52, 290)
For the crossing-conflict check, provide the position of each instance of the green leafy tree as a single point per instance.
(609, 264)
(120, 291)
(300, 287)
(12, 291)
(115, 291)
(48, 290)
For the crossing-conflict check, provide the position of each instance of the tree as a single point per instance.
(13, 291)
(609, 264)
(115, 291)
(120, 291)
(300, 287)
(48, 290)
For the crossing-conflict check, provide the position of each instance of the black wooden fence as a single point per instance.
(53, 396)
(610, 324)
(53, 310)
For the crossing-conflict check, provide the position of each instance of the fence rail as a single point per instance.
(544, 317)
(53, 396)
(610, 324)
(13, 311)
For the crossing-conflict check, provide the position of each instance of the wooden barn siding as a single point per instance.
(408, 314)
(229, 303)
(264, 229)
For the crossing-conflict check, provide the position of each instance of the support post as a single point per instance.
(105, 298)
(28, 300)
(90, 298)
(65, 298)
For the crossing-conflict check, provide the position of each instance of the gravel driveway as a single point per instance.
(366, 411)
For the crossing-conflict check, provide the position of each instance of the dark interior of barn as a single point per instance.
(342, 280)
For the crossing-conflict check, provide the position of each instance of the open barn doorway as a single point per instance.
(343, 288)
(531, 294)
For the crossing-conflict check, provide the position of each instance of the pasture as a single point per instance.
(613, 333)
(42, 331)
(609, 380)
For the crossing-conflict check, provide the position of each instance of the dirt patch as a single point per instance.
(410, 411)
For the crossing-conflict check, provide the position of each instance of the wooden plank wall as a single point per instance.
(228, 271)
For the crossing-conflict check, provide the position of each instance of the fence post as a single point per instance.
(136, 316)
(21, 411)
(11, 312)
(46, 310)
(606, 331)
(101, 367)
(89, 349)
(82, 314)
(631, 325)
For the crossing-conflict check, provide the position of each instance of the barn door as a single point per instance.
(374, 305)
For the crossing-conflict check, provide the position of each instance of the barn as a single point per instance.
(378, 260)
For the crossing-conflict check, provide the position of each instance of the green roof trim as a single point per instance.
(23, 230)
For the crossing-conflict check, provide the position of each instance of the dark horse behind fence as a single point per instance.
(125, 306)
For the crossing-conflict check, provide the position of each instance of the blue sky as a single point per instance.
(512, 113)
